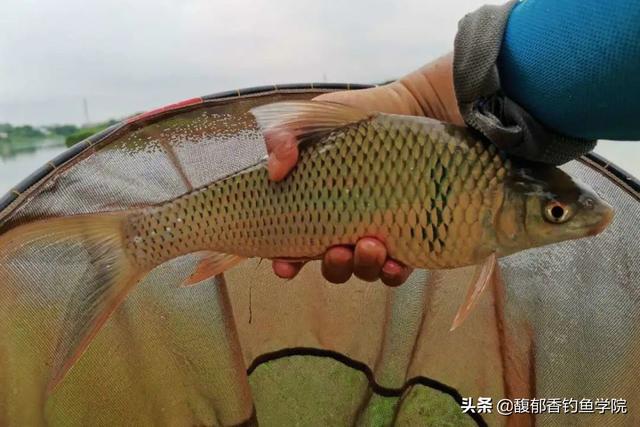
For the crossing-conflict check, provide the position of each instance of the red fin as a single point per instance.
(480, 280)
(306, 118)
(212, 264)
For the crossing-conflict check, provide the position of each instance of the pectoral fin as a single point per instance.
(210, 265)
(481, 277)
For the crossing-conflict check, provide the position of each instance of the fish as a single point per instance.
(437, 195)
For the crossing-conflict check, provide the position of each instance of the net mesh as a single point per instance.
(559, 321)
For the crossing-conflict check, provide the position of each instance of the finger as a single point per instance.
(370, 255)
(394, 273)
(285, 269)
(283, 154)
(337, 264)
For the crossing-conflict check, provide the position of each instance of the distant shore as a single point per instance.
(15, 140)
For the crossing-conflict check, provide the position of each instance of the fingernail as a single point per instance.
(368, 245)
(391, 269)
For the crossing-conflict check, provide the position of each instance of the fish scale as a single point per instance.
(424, 188)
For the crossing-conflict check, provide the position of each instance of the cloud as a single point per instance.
(130, 56)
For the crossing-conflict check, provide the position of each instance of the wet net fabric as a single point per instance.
(557, 322)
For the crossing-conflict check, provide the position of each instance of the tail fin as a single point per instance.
(104, 287)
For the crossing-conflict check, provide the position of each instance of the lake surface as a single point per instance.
(18, 165)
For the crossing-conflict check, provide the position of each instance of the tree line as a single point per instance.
(70, 133)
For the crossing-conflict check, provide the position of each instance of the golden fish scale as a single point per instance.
(428, 190)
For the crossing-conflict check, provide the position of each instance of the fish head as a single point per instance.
(544, 205)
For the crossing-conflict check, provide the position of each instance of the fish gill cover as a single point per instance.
(559, 322)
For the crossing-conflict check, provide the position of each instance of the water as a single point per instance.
(17, 165)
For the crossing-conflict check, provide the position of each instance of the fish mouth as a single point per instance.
(605, 219)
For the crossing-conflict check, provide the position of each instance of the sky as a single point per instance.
(129, 56)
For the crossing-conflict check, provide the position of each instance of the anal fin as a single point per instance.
(210, 265)
(481, 278)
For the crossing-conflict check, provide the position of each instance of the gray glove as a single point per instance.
(486, 108)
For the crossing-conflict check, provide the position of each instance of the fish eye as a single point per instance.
(556, 212)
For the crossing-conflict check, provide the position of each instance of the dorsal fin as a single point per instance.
(306, 119)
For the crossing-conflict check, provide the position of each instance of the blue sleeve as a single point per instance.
(575, 65)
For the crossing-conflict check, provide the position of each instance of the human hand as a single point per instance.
(426, 92)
